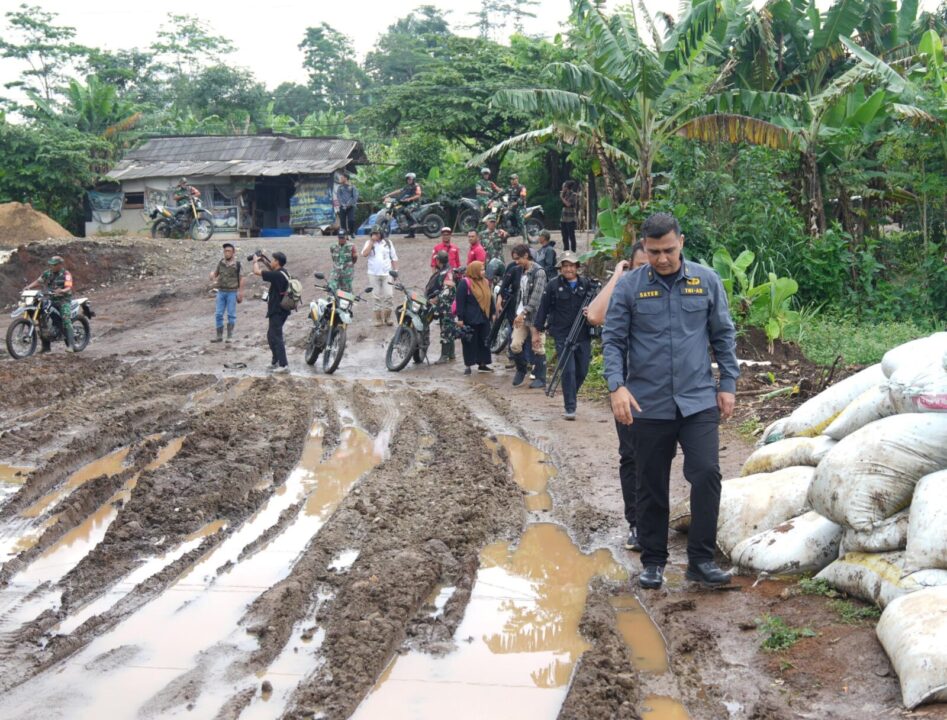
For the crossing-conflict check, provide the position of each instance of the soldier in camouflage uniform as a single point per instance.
(493, 241)
(443, 279)
(517, 195)
(57, 283)
(344, 256)
(486, 189)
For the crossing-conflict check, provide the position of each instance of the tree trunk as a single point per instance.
(614, 181)
(813, 190)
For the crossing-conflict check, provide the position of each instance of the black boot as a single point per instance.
(45, 347)
(445, 353)
(220, 335)
(539, 370)
(70, 340)
(652, 578)
(451, 350)
(707, 573)
(229, 332)
(520, 375)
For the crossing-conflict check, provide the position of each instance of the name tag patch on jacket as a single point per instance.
(649, 294)
(693, 291)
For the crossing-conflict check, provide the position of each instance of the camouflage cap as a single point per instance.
(55, 260)
(490, 218)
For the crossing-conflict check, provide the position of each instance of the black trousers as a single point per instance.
(574, 372)
(655, 442)
(568, 235)
(347, 220)
(274, 336)
(628, 472)
(476, 350)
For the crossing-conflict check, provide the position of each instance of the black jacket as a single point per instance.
(468, 310)
(560, 305)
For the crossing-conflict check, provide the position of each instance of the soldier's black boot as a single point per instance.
(70, 341)
(450, 350)
(539, 370)
(45, 347)
(445, 353)
(229, 332)
(220, 335)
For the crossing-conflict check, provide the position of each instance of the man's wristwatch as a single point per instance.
(613, 385)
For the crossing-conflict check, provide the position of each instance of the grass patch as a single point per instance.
(823, 338)
(777, 636)
(817, 586)
(750, 428)
(852, 614)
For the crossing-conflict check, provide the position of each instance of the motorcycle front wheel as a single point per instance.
(533, 228)
(335, 347)
(502, 339)
(469, 220)
(400, 349)
(202, 229)
(312, 349)
(81, 334)
(431, 224)
(161, 229)
(21, 339)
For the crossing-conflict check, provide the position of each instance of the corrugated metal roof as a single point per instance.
(241, 156)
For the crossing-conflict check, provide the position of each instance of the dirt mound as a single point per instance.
(91, 265)
(21, 224)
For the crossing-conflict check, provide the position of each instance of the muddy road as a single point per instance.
(184, 535)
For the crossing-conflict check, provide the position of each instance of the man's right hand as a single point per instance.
(622, 403)
(622, 266)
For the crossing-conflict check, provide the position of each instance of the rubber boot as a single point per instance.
(539, 370)
(70, 341)
(520, 375)
(451, 349)
(388, 320)
(445, 357)
(229, 332)
(45, 347)
(378, 318)
(220, 335)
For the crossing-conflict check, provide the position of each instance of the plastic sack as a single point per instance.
(917, 353)
(873, 404)
(805, 544)
(680, 516)
(878, 578)
(817, 413)
(927, 529)
(752, 504)
(913, 631)
(924, 389)
(786, 453)
(889, 536)
(870, 475)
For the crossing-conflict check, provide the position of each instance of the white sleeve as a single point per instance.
(394, 253)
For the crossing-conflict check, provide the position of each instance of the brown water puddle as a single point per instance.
(13, 474)
(111, 464)
(531, 468)
(644, 640)
(518, 642)
(656, 707)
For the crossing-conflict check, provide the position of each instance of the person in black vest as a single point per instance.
(562, 301)
(278, 279)
(229, 280)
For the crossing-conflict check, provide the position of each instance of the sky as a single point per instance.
(266, 38)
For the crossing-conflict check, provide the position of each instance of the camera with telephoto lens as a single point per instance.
(257, 253)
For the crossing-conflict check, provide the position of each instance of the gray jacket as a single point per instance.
(532, 286)
(346, 195)
(665, 335)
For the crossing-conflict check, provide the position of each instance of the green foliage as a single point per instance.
(858, 342)
(777, 635)
(816, 586)
(335, 77)
(852, 614)
(185, 44)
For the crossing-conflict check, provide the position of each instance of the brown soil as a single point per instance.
(418, 520)
(21, 224)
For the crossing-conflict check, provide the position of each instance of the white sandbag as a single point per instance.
(924, 389)
(817, 413)
(752, 504)
(888, 536)
(913, 631)
(680, 516)
(916, 352)
(774, 432)
(870, 475)
(927, 529)
(786, 453)
(805, 544)
(878, 577)
(873, 404)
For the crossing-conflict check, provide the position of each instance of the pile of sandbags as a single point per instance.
(873, 522)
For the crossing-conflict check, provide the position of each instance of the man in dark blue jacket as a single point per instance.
(563, 300)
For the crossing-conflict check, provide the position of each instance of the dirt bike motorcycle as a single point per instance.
(534, 217)
(469, 216)
(429, 216)
(501, 332)
(330, 316)
(190, 219)
(37, 318)
(413, 330)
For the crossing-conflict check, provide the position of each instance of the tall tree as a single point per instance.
(185, 44)
(48, 49)
(335, 77)
(406, 46)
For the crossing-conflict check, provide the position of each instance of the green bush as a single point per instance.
(777, 635)
(859, 342)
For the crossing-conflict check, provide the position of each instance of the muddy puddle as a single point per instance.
(111, 464)
(532, 470)
(517, 644)
(194, 626)
(12, 478)
(657, 707)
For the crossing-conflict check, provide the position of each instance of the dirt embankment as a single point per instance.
(21, 224)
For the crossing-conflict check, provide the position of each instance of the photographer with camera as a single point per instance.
(278, 279)
(475, 308)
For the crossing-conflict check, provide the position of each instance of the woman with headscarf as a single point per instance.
(474, 312)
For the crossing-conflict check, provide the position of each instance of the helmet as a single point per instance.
(484, 171)
(490, 218)
(182, 181)
(55, 260)
(410, 176)
(442, 257)
(514, 176)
